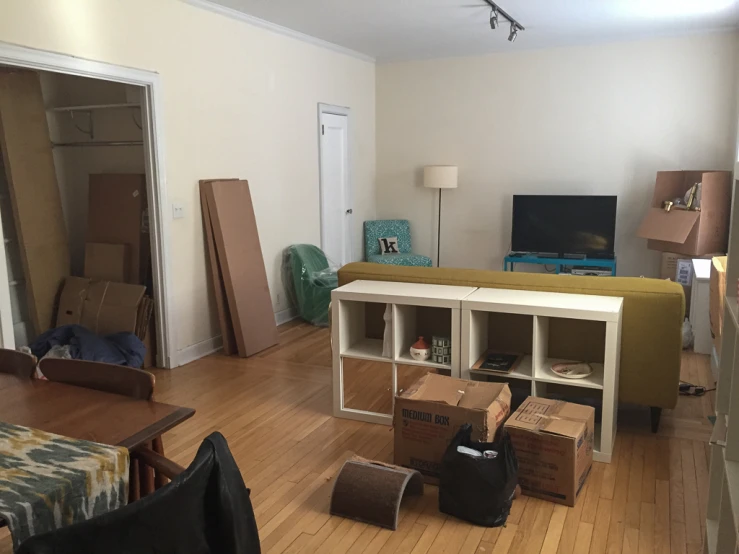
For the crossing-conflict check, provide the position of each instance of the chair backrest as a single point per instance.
(17, 363)
(117, 379)
(206, 509)
(382, 228)
(309, 256)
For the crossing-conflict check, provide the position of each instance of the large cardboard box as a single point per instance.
(554, 445)
(430, 412)
(679, 268)
(691, 233)
(717, 292)
(118, 214)
(101, 306)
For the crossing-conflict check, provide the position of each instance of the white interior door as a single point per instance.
(336, 211)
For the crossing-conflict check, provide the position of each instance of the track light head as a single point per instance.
(494, 18)
(513, 34)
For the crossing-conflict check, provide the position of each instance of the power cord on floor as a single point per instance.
(689, 389)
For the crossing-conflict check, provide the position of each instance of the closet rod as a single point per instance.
(99, 143)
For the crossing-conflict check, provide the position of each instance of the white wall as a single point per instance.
(239, 101)
(585, 120)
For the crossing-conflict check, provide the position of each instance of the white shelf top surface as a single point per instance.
(525, 301)
(702, 269)
(404, 291)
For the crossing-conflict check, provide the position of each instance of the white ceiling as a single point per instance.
(391, 30)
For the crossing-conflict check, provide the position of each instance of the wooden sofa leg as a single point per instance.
(655, 413)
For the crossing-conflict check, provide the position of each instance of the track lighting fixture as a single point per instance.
(495, 12)
(513, 34)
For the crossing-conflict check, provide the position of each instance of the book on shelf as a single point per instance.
(498, 362)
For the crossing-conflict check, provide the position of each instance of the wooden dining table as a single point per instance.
(85, 414)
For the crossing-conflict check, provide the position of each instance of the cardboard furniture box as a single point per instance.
(431, 411)
(679, 268)
(104, 307)
(107, 262)
(688, 232)
(554, 445)
(118, 214)
(717, 292)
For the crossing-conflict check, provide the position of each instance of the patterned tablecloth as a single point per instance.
(48, 481)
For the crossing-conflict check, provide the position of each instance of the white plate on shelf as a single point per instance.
(572, 370)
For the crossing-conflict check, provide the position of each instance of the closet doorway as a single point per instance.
(84, 201)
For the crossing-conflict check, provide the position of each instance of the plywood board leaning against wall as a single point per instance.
(219, 286)
(240, 258)
(37, 207)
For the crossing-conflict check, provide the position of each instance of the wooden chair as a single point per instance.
(17, 363)
(116, 379)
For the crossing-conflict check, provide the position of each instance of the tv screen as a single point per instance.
(564, 224)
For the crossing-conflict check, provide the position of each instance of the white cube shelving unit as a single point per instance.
(534, 370)
(722, 517)
(349, 333)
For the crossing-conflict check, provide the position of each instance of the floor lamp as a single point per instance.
(440, 177)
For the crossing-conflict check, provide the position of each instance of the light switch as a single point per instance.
(178, 210)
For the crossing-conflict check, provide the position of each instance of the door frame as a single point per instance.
(153, 135)
(330, 109)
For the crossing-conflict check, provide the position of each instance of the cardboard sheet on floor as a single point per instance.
(118, 214)
(242, 264)
(219, 287)
(34, 193)
(107, 262)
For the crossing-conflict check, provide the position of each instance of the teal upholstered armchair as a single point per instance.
(375, 230)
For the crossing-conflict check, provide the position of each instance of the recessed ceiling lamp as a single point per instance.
(495, 11)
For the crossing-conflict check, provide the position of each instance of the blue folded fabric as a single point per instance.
(119, 348)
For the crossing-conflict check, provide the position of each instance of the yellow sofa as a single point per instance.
(651, 339)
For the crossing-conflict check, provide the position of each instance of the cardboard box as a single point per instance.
(101, 306)
(717, 292)
(430, 412)
(554, 445)
(686, 232)
(107, 262)
(118, 214)
(679, 268)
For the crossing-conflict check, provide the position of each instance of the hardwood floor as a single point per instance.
(275, 411)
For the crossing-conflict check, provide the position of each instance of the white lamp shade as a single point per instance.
(440, 176)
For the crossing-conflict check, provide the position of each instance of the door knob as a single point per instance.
(350, 211)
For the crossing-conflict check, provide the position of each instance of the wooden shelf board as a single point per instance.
(406, 359)
(545, 375)
(523, 371)
(367, 349)
(732, 478)
(731, 304)
(93, 107)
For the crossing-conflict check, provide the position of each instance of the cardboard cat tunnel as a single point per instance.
(371, 492)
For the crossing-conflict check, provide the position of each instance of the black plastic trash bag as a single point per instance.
(478, 490)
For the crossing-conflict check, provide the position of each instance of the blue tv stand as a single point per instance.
(559, 263)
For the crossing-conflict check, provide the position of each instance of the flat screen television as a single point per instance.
(577, 225)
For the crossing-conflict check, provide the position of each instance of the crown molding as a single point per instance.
(279, 29)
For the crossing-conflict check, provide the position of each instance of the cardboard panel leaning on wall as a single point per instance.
(34, 193)
(118, 215)
(242, 265)
(219, 286)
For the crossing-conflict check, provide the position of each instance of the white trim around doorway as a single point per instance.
(151, 110)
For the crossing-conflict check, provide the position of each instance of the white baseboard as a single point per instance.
(199, 350)
(214, 344)
(285, 315)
